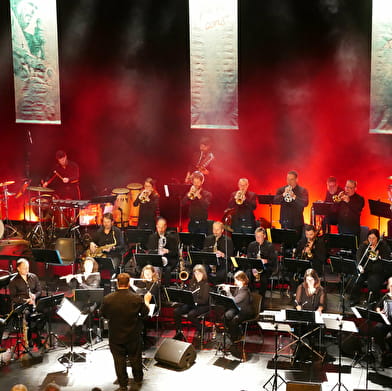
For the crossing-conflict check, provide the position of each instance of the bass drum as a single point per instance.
(1, 229)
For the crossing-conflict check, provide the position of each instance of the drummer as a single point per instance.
(148, 200)
(64, 178)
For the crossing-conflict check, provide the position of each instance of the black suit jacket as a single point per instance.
(267, 251)
(171, 245)
(209, 242)
(124, 310)
(245, 210)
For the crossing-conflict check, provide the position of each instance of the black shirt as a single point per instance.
(243, 214)
(171, 244)
(19, 288)
(349, 215)
(267, 251)
(202, 296)
(198, 208)
(209, 243)
(318, 251)
(148, 211)
(115, 236)
(68, 190)
(376, 266)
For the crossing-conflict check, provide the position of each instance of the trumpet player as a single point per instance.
(349, 210)
(243, 203)
(148, 202)
(198, 200)
(292, 199)
(200, 288)
(264, 250)
(222, 246)
(370, 268)
(333, 190)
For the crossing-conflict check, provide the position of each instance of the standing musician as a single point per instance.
(166, 245)
(198, 200)
(107, 241)
(25, 288)
(292, 199)
(264, 250)
(350, 207)
(333, 190)
(148, 200)
(312, 248)
(243, 299)
(381, 330)
(369, 266)
(64, 178)
(244, 203)
(202, 162)
(222, 246)
(200, 288)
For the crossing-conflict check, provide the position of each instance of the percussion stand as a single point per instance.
(37, 234)
(9, 230)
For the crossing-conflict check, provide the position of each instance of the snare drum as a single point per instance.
(121, 206)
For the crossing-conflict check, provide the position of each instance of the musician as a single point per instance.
(148, 201)
(310, 295)
(369, 265)
(381, 330)
(313, 249)
(201, 289)
(333, 189)
(264, 250)
(108, 241)
(202, 161)
(243, 203)
(350, 208)
(222, 246)
(125, 312)
(243, 299)
(166, 245)
(292, 199)
(91, 278)
(64, 178)
(25, 288)
(198, 200)
(148, 282)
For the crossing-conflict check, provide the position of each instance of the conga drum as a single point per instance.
(121, 206)
(132, 195)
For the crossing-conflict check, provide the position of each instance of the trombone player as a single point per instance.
(243, 203)
(370, 268)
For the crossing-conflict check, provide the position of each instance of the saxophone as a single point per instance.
(214, 250)
(183, 274)
(257, 271)
(99, 253)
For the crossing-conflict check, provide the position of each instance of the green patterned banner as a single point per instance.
(214, 63)
(35, 56)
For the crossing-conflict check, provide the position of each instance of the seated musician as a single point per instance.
(264, 250)
(148, 282)
(148, 200)
(164, 244)
(220, 245)
(200, 288)
(371, 269)
(90, 278)
(107, 241)
(381, 330)
(243, 299)
(25, 288)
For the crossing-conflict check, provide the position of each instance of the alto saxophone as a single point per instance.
(214, 250)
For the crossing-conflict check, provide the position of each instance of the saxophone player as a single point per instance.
(264, 250)
(202, 161)
(198, 200)
(148, 202)
(243, 203)
(292, 199)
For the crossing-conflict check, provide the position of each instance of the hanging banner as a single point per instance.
(381, 68)
(214, 64)
(35, 57)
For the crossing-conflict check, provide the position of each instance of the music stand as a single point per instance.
(177, 190)
(241, 241)
(105, 264)
(51, 257)
(344, 267)
(380, 209)
(71, 314)
(45, 306)
(386, 266)
(322, 208)
(296, 266)
(249, 263)
(148, 259)
(203, 258)
(267, 199)
(192, 240)
(138, 236)
(89, 299)
(176, 295)
(342, 241)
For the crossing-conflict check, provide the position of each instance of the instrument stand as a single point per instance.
(221, 345)
(273, 380)
(19, 348)
(37, 235)
(9, 230)
(339, 384)
(68, 359)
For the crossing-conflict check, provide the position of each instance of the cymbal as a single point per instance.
(134, 186)
(120, 190)
(39, 188)
(390, 177)
(7, 183)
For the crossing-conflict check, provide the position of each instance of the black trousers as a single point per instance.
(375, 283)
(132, 351)
(193, 313)
(233, 320)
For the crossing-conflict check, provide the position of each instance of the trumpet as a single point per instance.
(239, 197)
(144, 196)
(287, 195)
(193, 192)
(338, 197)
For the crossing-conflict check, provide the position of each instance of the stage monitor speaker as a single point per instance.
(301, 386)
(66, 248)
(176, 354)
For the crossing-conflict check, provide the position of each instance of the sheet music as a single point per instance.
(71, 314)
(151, 310)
